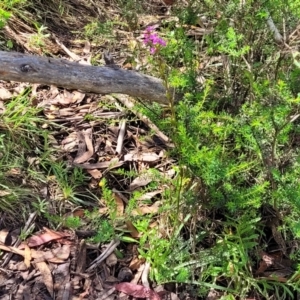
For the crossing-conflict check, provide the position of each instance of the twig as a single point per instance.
(26, 230)
(145, 274)
(138, 275)
(130, 105)
(109, 250)
(276, 34)
(104, 295)
(121, 137)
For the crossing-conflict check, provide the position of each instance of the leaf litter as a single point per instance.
(62, 264)
(58, 264)
(59, 268)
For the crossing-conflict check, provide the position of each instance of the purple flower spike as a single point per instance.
(151, 39)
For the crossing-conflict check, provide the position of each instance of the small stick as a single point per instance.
(121, 137)
(130, 105)
(26, 229)
(108, 251)
(145, 275)
(277, 36)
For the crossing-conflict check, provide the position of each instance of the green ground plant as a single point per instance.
(25, 158)
(234, 134)
(24, 150)
(38, 39)
(70, 182)
(6, 9)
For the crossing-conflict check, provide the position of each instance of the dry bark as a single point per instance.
(59, 72)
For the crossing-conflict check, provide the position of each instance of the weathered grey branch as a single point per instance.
(277, 36)
(104, 80)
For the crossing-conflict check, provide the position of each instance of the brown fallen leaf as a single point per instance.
(12, 250)
(136, 290)
(74, 96)
(140, 181)
(46, 275)
(85, 156)
(47, 236)
(40, 256)
(5, 94)
(96, 174)
(111, 260)
(87, 47)
(60, 254)
(13, 172)
(114, 163)
(266, 261)
(59, 99)
(150, 195)
(143, 210)
(4, 193)
(27, 256)
(136, 263)
(120, 205)
(66, 112)
(3, 233)
(70, 143)
(79, 212)
(103, 210)
(132, 230)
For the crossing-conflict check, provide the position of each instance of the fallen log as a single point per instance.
(59, 72)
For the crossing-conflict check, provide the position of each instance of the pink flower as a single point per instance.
(152, 39)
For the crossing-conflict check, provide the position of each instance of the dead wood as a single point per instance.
(59, 72)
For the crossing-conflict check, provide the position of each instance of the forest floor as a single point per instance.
(85, 177)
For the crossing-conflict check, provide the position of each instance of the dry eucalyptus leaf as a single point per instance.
(85, 156)
(47, 236)
(87, 47)
(150, 195)
(61, 254)
(5, 94)
(3, 233)
(96, 174)
(27, 256)
(12, 249)
(4, 193)
(66, 112)
(141, 180)
(70, 142)
(136, 290)
(144, 157)
(132, 230)
(136, 263)
(72, 97)
(46, 275)
(143, 210)
(120, 205)
(78, 96)
(111, 260)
